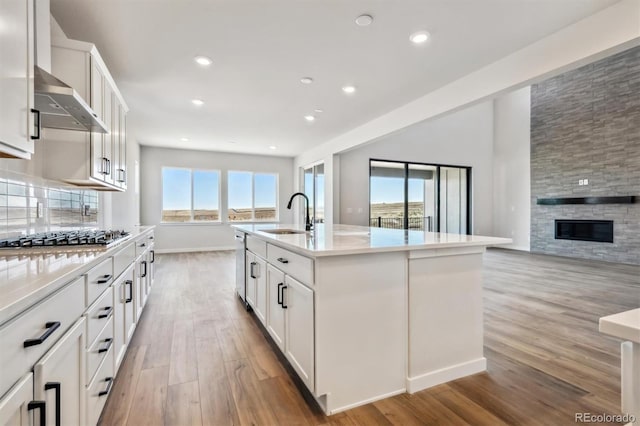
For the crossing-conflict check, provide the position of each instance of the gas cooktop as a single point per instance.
(87, 238)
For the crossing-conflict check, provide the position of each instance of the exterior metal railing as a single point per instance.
(419, 223)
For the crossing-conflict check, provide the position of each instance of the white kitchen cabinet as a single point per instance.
(251, 277)
(123, 314)
(59, 378)
(121, 170)
(275, 312)
(16, 405)
(85, 158)
(16, 79)
(261, 290)
(299, 343)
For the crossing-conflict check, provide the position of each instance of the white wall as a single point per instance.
(125, 206)
(197, 237)
(512, 168)
(463, 138)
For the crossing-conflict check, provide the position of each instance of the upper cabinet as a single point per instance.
(17, 129)
(89, 159)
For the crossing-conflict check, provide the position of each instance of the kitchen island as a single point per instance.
(367, 313)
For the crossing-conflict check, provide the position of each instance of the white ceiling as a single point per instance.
(261, 48)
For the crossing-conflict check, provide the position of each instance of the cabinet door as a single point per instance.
(151, 258)
(129, 304)
(120, 291)
(16, 78)
(14, 406)
(299, 347)
(251, 279)
(109, 139)
(99, 165)
(275, 312)
(141, 285)
(122, 176)
(59, 378)
(261, 290)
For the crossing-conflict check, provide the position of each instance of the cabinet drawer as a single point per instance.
(45, 322)
(123, 258)
(257, 246)
(98, 390)
(98, 280)
(142, 245)
(98, 315)
(297, 266)
(99, 349)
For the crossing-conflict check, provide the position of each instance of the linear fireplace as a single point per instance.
(600, 231)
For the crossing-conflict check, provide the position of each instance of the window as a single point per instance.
(252, 196)
(428, 197)
(190, 195)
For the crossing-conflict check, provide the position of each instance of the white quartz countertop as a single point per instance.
(336, 239)
(625, 325)
(27, 278)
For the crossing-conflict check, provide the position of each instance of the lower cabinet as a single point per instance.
(261, 290)
(299, 341)
(290, 321)
(99, 388)
(275, 310)
(59, 378)
(123, 313)
(17, 404)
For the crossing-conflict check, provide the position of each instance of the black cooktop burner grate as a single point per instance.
(64, 238)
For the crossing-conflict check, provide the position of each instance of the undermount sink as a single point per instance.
(282, 231)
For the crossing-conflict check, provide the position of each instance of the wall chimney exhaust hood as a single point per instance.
(61, 107)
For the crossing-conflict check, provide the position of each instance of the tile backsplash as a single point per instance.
(30, 205)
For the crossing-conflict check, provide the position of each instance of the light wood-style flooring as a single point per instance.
(198, 358)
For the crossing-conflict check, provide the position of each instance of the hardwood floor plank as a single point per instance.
(158, 340)
(216, 402)
(183, 405)
(116, 410)
(149, 401)
(368, 415)
(183, 365)
(253, 408)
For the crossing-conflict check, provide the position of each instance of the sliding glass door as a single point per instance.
(314, 190)
(427, 197)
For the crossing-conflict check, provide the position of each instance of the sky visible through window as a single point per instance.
(391, 190)
(176, 189)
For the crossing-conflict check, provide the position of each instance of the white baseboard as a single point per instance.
(194, 249)
(433, 378)
(332, 411)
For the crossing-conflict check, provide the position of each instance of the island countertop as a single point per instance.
(338, 239)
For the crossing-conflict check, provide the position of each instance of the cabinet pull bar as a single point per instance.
(282, 260)
(107, 311)
(279, 295)
(251, 272)
(40, 406)
(109, 342)
(56, 386)
(37, 124)
(105, 279)
(109, 384)
(130, 284)
(153, 256)
(144, 274)
(283, 302)
(51, 327)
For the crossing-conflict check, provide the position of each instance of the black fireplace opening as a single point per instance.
(600, 231)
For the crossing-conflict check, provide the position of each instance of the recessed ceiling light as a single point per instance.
(272, 147)
(197, 102)
(306, 80)
(203, 60)
(309, 118)
(318, 110)
(419, 37)
(348, 89)
(364, 20)
(184, 139)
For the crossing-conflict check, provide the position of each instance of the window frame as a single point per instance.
(253, 198)
(191, 220)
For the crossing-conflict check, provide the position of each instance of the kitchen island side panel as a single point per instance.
(361, 323)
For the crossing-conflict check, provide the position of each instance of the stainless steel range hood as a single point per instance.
(61, 107)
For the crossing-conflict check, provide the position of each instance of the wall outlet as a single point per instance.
(349, 210)
(39, 210)
(581, 182)
(586, 181)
